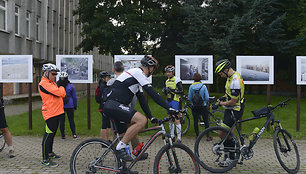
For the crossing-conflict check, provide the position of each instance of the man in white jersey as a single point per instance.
(128, 84)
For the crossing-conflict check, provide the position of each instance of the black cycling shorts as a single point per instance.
(105, 122)
(3, 123)
(118, 112)
(228, 120)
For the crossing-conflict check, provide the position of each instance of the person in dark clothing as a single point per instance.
(198, 111)
(100, 90)
(70, 104)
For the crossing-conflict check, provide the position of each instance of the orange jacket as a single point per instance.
(52, 98)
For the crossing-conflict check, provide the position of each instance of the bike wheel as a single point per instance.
(185, 122)
(175, 159)
(2, 142)
(286, 151)
(211, 153)
(92, 154)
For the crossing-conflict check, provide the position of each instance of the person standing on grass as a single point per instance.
(5, 131)
(100, 90)
(69, 106)
(173, 91)
(52, 108)
(198, 95)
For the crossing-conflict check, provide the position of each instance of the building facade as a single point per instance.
(44, 29)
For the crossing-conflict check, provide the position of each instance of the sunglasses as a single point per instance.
(55, 74)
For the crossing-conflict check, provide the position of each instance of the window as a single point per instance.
(37, 28)
(3, 14)
(17, 20)
(28, 24)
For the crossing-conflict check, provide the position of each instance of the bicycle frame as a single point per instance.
(253, 142)
(151, 140)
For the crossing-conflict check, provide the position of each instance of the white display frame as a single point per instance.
(300, 70)
(264, 62)
(19, 70)
(87, 78)
(193, 59)
(130, 61)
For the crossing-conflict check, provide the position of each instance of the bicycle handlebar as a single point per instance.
(281, 104)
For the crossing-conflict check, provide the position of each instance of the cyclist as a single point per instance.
(52, 108)
(69, 105)
(100, 90)
(234, 97)
(118, 70)
(199, 110)
(128, 84)
(5, 131)
(173, 91)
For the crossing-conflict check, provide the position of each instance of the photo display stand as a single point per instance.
(18, 69)
(257, 70)
(300, 80)
(80, 70)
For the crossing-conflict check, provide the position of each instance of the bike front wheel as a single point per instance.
(177, 158)
(286, 151)
(216, 154)
(2, 142)
(94, 156)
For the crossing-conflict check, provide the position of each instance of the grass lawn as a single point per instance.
(18, 124)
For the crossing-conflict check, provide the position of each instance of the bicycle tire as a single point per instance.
(185, 122)
(2, 142)
(208, 153)
(281, 139)
(189, 165)
(87, 153)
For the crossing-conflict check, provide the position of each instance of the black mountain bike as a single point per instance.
(214, 114)
(2, 142)
(98, 156)
(209, 153)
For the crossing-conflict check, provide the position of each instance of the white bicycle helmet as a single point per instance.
(63, 74)
(170, 68)
(49, 67)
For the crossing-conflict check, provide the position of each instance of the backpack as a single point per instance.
(197, 99)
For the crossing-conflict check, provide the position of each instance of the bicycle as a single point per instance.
(214, 114)
(2, 142)
(97, 155)
(209, 153)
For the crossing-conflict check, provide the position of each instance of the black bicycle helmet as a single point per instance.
(147, 61)
(104, 74)
(221, 65)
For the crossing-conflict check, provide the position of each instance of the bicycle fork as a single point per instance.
(173, 167)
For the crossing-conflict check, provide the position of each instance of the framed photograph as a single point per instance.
(301, 70)
(130, 61)
(16, 69)
(78, 67)
(257, 70)
(187, 65)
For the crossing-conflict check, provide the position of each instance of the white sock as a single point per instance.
(10, 148)
(171, 127)
(120, 145)
(178, 131)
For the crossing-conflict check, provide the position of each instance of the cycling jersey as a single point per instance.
(234, 88)
(175, 84)
(131, 83)
(52, 98)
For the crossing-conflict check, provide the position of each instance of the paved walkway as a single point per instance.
(28, 158)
